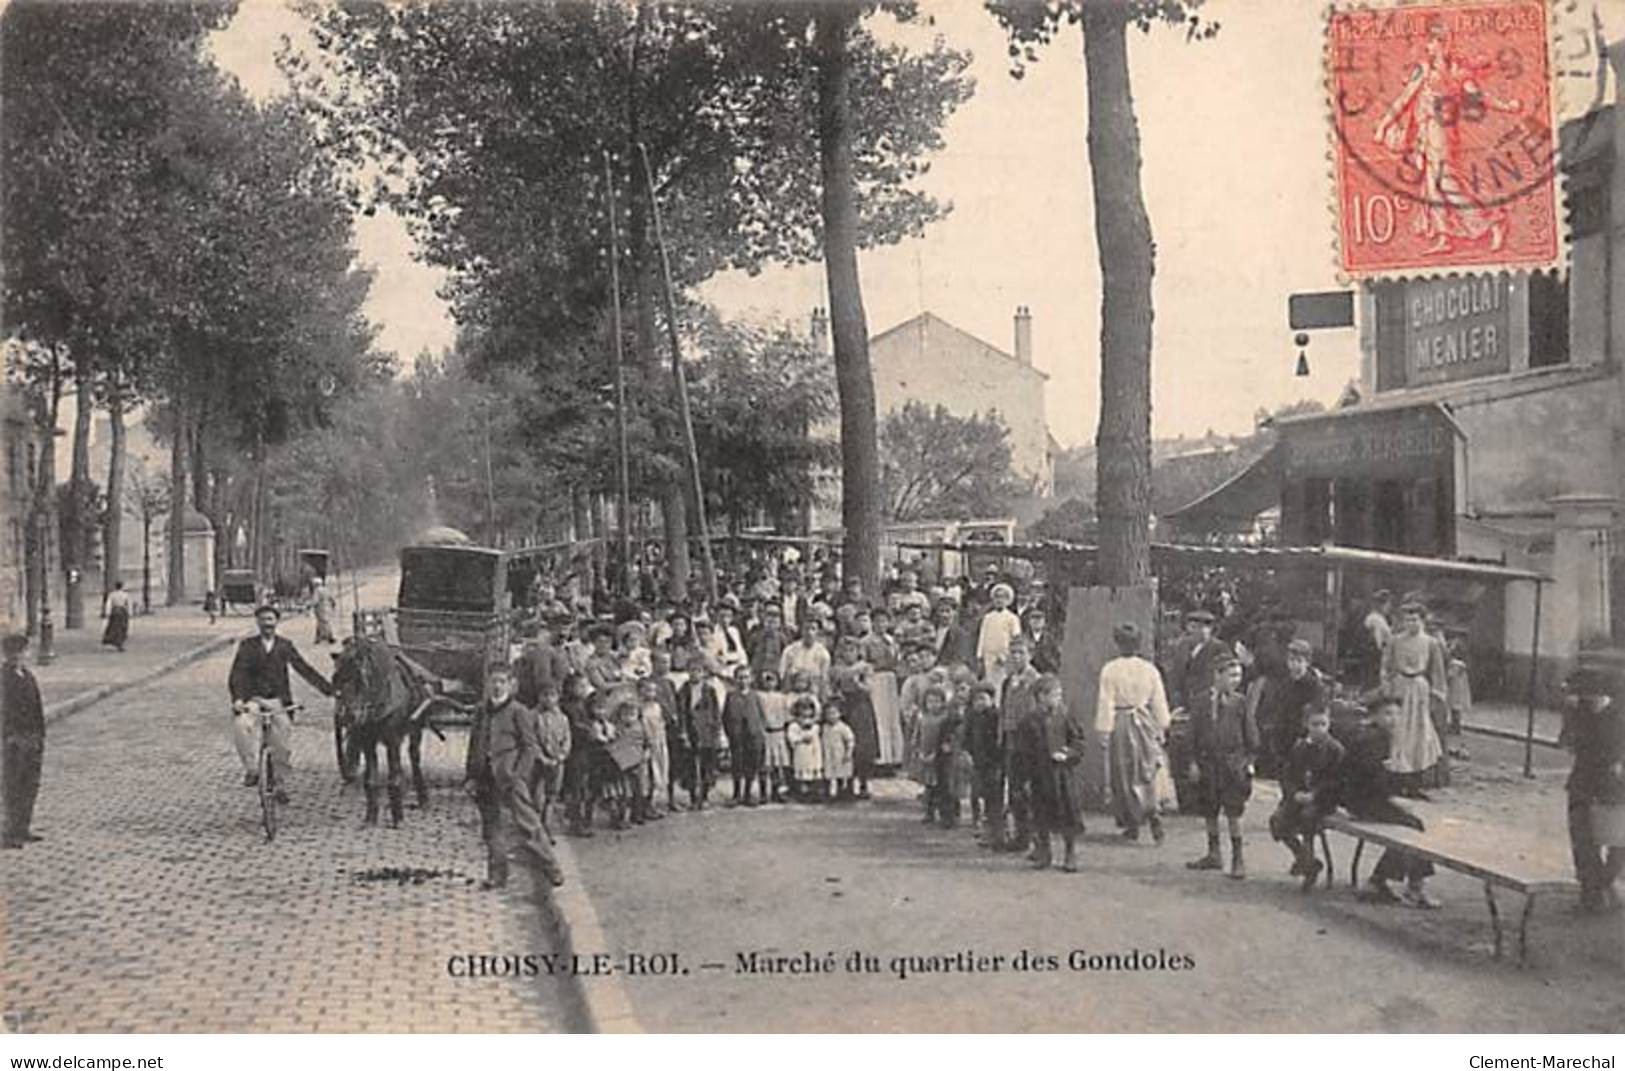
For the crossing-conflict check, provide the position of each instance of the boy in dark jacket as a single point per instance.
(503, 752)
(1308, 793)
(1365, 788)
(702, 719)
(982, 741)
(1225, 742)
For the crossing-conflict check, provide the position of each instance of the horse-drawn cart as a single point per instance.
(239, 587)
(456, 612)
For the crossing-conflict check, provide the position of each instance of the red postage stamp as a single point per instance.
(1444, 140)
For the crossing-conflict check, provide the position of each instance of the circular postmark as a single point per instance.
(1446, 111)
(1424, 108)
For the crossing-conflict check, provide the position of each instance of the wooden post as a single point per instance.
(1534, 675)
(696, 488)
(1333, 618)
(623, 499)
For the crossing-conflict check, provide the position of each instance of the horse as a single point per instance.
(382, 702)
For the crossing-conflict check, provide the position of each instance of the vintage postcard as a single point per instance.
(950, 517)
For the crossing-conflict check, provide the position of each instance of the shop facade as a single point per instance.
(1491, 423)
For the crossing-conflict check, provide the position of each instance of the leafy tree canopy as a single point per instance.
(936, 465)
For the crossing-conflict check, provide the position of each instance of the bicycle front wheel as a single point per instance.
(268, 793)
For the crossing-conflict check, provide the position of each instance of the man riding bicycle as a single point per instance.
(259, 677)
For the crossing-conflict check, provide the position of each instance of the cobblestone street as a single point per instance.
(156, 904)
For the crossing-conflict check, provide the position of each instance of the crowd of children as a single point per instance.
(804, 695)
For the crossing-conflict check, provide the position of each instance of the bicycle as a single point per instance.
(264, 767)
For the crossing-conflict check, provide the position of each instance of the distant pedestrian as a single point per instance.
(22, 742)
(117, 611)
(324, 605)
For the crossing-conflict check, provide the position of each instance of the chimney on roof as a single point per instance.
(819, 333)
(1024, 334)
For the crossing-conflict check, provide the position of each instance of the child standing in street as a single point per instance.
(1225, 743)
(987, 760)
(555, 752)
(630, 753)
(806, 748)
(838, 745)
(658, 774)
(604, 781)
(929, 741)
(775, 718)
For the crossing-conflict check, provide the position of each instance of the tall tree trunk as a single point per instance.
(77, 527)
(581, 522)
(146, 561)
(177, 505)
(854, 380)
(600, 549)
(42, 519)
(1127, 261)
(113, 524)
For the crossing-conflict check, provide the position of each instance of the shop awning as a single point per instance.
(1237, 500)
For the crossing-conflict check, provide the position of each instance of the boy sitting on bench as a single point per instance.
(1309, 784)
(1365, 788)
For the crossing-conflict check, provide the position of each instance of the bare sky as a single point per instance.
(1236, 178)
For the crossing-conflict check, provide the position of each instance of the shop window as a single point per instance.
(1548, 320)
(1317, 511)
(1388, 518)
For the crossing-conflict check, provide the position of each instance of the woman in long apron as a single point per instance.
(1413, 672)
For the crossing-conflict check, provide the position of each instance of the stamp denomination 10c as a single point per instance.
(1444, 142)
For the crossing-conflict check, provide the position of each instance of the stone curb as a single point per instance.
(58, 711)
(604, 1004)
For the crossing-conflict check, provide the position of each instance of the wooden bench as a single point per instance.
(1529, 864)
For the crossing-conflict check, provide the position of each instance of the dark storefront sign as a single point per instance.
(1443, 330)
(1382, 480)
(1391, 443)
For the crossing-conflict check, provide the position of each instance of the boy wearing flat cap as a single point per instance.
(1190, 669)
(1225, 744)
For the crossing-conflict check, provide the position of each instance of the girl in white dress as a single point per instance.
(806, 748)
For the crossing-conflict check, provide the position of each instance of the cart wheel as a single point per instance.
(347, 759)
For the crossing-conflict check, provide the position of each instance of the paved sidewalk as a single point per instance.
(84, 670)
